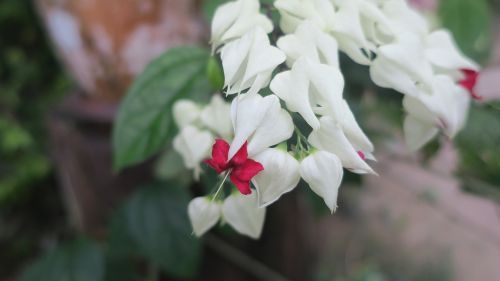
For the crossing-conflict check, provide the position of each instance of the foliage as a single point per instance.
(80, 260)
(470, 22)
(26, 90)
(145, 124)
(158, 224)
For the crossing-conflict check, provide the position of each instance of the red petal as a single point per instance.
(240, 157)
(241, 175)
(220, 151)
(248, 170)
(243, 186)
(469, 82)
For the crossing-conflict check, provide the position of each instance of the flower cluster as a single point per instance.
(255, 140)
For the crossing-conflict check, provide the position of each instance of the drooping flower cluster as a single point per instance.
(256, 139)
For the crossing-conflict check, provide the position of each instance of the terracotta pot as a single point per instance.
(104, 44)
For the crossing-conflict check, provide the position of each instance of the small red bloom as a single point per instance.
(242, 169)
(469, 82)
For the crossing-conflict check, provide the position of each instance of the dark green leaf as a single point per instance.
(144, 123)
(158, 223)
(122, 250)
(470, 22)
(79, 260)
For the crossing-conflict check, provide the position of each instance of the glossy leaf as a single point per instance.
(144, 123)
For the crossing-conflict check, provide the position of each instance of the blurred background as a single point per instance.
(65, 214)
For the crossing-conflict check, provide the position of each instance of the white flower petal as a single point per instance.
(293, 88)
(310, 42)
(249, 62)
(323, 172)
(277, 127)
(418, 133)
(232, 20)
(443, 52)
(242, 213)
(203, 214)
(194, 146)
(331, 138)
(247, 114)
(217, 117)
(280, 175)
(446, 107)
(185, 112)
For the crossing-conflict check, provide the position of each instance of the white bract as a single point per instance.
(243, 214)
(215, 116)
(260, 121)
(232, 20)
(194, 146)
(257, 140)
(281, 175)
(185, 113)
(445, 108)
(203, 214)
(248, 62)
(323, 172)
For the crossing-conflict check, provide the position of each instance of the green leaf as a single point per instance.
(79, 260)
(470, 21)
(121, 251)
(158, 223)
(144, 123)
(209, 7)
(215, 74)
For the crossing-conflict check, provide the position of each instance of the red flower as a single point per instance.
(469, 82)
(242, 169)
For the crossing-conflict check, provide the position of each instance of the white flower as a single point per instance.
(203, 214)
(403, 18)
(242, 213)
(353, 21)
(308, 85)
(193, 145)
(323, 172)
(259, 120)
(185, 112)
(232, 20)
(446, 108)
(217, 117)
(309, 41)
(346, 120)
(280, 175)
(402, 65)
(417, 132)
(294, 12)
(248, 62)
(443, 53)
(330, 137)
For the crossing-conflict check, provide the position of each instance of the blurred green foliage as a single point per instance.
(470, 21)
(79, 260)
(30, 80)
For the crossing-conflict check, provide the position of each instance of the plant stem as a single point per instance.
(245, 262)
